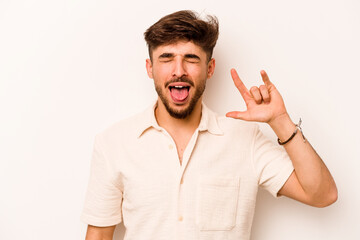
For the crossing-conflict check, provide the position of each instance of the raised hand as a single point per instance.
(263, 103)
(311, 181)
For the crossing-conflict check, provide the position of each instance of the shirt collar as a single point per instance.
(147, 120)
(208, 121)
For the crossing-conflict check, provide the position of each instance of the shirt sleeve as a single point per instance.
(271, 163)
(104, 196)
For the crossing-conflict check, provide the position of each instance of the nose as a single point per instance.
(179, 69)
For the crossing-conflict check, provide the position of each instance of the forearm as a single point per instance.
(99, 233)
(313, 175)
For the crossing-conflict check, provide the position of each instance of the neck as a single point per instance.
(171, 124)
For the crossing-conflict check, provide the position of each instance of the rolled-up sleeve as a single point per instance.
(104, 196)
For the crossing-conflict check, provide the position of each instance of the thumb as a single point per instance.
(239, 115)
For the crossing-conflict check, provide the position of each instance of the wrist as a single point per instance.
(283, 126)
(280, 120)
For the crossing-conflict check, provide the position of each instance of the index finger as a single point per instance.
(238, 83)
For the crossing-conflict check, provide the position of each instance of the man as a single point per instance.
(179, 171)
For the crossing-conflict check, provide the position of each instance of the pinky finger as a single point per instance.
(265, 78)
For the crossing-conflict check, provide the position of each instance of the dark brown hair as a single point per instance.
(183, 25)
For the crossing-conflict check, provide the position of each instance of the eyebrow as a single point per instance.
(194, 56)
(166, 55)
(170, 55)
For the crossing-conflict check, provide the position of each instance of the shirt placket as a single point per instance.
(181, 190)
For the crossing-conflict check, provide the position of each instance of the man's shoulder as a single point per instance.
(231, 125)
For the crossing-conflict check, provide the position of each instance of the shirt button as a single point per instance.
(180, 218)
(171, 147)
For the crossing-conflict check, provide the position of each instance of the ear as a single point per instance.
(210, 68)
(149, 68)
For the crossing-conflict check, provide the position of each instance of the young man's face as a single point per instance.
(180, 71)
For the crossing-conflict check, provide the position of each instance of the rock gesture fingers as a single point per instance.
(263, 103)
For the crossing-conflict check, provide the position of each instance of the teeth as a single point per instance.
(178, 87)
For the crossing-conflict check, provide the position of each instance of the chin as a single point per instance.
(180, 112)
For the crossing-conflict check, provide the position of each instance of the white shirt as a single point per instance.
(136, 177)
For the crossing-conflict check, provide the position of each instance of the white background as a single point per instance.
(69, 69)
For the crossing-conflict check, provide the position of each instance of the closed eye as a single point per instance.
(166, 57)
(165, 60)
(192, 58)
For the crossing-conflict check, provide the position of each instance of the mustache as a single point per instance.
(180, 79)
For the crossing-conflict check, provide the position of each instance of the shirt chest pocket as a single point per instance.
(217, 202)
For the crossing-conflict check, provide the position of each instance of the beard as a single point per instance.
(184, 113)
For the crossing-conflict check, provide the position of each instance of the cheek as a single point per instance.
(200, 73)
(160, 72)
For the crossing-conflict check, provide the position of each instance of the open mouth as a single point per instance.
(179, 93)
